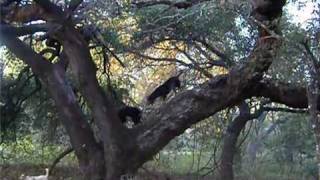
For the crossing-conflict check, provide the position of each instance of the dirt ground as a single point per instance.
(14, 172)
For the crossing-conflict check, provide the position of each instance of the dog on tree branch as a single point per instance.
(163, 90)
(267, 9)
(124, 112)
(55, 45)
(130, 112)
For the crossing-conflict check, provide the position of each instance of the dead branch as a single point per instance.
(58, 158)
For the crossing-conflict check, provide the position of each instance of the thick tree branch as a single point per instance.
(24, 30)
(77, 52)
(41, 10)
(26, 13)
(50, 7)
(179, 5)
(283, 93)
(53, 78)
(111, 132)
(22, 51)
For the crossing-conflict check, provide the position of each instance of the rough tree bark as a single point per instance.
(53, 78)
(107, 157)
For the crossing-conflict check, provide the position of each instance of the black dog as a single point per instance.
(131, 112)
(164, 89)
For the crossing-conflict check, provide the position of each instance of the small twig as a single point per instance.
(280, 109)
(195, 64)
(57, 160)
(115, 56)
(271, 32)
(311, 55)
(99, 38)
